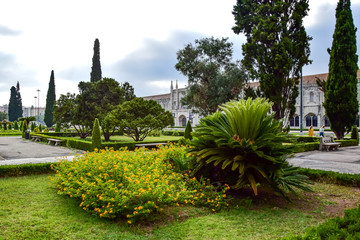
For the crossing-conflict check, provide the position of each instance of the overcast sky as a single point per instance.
(138, 41)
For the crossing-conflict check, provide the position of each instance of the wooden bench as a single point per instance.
(149, 145)
(36, 138)
(328, 143)
(55, 141)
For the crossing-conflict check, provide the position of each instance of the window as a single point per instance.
(327, 122)
(312, 97)
(311, 120)
(294, 122)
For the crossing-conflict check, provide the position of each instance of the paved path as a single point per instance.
(15, 150)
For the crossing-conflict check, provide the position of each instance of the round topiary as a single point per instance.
(96, 136)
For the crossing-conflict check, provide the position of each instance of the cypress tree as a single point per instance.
(50, 102)
(16, 126)
(96, 135)
(341, 104)
(188, 130)
(24, 128)
(57, 128)
(12, 104)
(19, 111)
(95, 74)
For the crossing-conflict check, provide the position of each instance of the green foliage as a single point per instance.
(132, 185)
(40, 127)
(50, 102)
(57, 128)
(188, 131)
(277, 48)
(172, 132)
(15, 104)
(341, 104)
(184, 142)
(212, 76)
(355, 133)
(175, 133)
(95, 74)
(24, 128)
(243, 144)
(139, 117)
(16, 126)
(33, 125)
(96, 136)
(347, 227)
(24, 169)
(128, 91)
(3, 115)
(155, 133)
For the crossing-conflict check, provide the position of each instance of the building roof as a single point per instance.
(157, 97)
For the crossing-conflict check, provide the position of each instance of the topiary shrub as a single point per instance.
(355, 133)
(188, 130)
(57, 128)
(40, 127)
(242, 145)
(16, 126)
(175, 133)
(24, 128)
(96, 135)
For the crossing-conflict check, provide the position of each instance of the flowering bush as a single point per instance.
(133, 184)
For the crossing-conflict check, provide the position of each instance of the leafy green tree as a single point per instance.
(138, 117)
(243, 145)
(188, 130)
(3, 115)
(128, 91)
(277, 48)
(213, 78)
(341, 104)
(95, 74)
(96, 136)
(50, 102)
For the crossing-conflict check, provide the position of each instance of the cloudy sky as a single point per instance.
(138, 41)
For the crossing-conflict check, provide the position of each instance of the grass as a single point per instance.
(31, 209)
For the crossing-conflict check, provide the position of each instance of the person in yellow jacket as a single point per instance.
(311, 131)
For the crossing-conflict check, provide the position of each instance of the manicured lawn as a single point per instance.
(31, 209)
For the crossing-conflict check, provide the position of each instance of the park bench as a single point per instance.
(149, 145)
(36, 138)
(55, 141)
(328, 143)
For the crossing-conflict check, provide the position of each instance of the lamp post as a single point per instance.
(35, 106)
(38, 104)
(301, 103)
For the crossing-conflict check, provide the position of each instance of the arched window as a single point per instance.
(312, 97)
(292, 122)
(297, 121)
(311, 120)
(182, 120)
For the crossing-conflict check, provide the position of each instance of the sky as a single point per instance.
(138, 41)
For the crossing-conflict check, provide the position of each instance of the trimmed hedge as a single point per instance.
(307, 139)
(24, 169)
(172, 132)
(331, 177)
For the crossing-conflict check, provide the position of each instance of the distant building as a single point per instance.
(172, 102)
(27, 111)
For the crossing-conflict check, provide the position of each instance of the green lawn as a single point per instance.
(31, 209)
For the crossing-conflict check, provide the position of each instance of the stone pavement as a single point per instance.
(15, 150)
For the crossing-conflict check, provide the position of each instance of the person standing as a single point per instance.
(311, 131)
(322, 131)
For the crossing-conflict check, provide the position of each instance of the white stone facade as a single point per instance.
(172, 102)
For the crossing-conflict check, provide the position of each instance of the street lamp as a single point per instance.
(38, 104)
(35, 106)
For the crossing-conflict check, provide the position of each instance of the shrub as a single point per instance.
(347, 227)
(243, 145)
(96, 135)
(355, 133)
(16, 126)
(57, 128)
(176, 133)
(24, 128)
(184, 142)
(24, 169)
(155, 133)
(33, 126)
(132, 185)
(188, 131)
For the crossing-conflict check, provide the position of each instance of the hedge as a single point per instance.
(173, 133)
(24, 169)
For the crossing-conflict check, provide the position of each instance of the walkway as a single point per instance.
(15, 150)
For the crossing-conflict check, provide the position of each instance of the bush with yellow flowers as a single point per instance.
(133, 184)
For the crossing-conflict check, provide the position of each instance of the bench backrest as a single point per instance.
(327, 139)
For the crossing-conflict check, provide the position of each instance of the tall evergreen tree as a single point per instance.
(277, 48)
(341, 104)
(15, 103)
(50, 102)
(95, 74)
